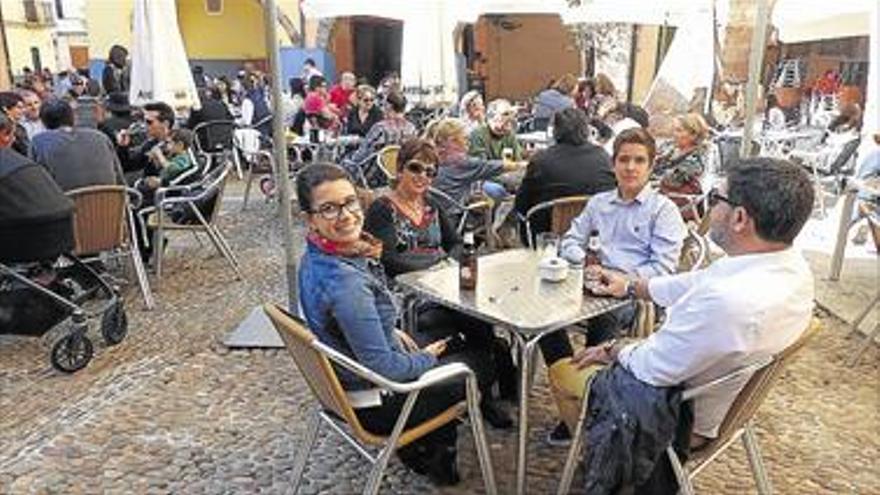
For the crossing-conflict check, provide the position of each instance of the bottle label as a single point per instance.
(594, 244)
(466, 273)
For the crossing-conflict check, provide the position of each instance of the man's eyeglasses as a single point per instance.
(332, 211)
(419, 168)
(716, 197)
(150, 121)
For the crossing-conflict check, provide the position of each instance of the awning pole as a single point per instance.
(282, 182)
(756, 59)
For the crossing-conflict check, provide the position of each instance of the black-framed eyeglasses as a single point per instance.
(419, 168)
(150, 121)
(332, 211)
(716, 197)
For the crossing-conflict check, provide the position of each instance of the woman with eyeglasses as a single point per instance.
(416, 234)
(365, 114)
(349, 307)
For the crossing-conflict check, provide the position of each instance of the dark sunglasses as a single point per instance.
(150, 121)
(419, 168)
(368, 100)
(716, 197)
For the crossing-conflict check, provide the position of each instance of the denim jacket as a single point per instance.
(349, 307)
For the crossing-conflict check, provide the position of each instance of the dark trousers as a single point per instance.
(432, 401)
(555, 346)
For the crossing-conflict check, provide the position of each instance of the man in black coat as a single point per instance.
(572, 166)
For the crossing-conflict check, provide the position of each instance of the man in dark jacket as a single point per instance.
(34, 213)
(573, 166)
(159, 118)
(215, 136)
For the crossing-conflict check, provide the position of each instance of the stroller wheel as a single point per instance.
(114, 324)
(72, 353)
(267, 186)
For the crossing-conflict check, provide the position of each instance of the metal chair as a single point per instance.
(694, 255)
(827, 171)
(481, 207)
(103, 223)
(386, 158)
(562, 211)
(316, 362)
(214, 139)
(209, 195)
(737, 422)
(261, 163)
(874, 225)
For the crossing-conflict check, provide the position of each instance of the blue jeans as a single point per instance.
(494, 190)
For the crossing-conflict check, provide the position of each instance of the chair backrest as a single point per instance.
(756, 389)
(693, 252)
(387, 159)
(98, 218)
(315, 368)
(566, 210)
(214, 136)
(562, 211)
(841, 163)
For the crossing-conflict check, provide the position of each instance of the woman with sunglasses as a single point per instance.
(349, 307)
(416, 234)
(365, 114)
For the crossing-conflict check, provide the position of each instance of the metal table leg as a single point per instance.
(849, 201)
(526, 351)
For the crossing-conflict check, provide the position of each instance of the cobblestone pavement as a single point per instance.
(170, 410)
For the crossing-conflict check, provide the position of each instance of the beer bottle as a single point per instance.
(594, 245)
(467, 267)
(591, 280)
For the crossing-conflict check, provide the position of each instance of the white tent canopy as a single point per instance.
(810, 20)
(159, 66)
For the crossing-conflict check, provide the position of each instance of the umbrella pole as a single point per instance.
(270, 23)
(756, 58)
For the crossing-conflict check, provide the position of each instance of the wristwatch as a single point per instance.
(608, 346)
(630, 289)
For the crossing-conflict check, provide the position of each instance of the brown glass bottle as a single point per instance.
(467, 267)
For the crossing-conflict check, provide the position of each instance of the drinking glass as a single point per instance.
(547, 244)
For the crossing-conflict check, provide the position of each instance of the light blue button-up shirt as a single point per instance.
(642, 236)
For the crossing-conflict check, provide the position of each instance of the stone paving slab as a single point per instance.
(171, 410)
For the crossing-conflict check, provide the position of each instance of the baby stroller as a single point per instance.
(42, 286)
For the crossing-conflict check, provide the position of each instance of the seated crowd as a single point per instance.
(752, 303)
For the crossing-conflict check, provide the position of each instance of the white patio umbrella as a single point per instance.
(159, 66)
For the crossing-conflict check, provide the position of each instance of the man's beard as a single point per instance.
(719, 235)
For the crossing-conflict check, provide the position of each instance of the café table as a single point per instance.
(510, 294)
(537, 139)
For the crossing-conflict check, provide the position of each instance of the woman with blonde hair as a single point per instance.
(605, 99)
(682, 161)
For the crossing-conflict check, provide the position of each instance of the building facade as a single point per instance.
(29, 27)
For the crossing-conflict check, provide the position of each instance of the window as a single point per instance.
(59, 9)
(214, 7)
(30, 11)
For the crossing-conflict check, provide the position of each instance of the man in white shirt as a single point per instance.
(743, 308)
